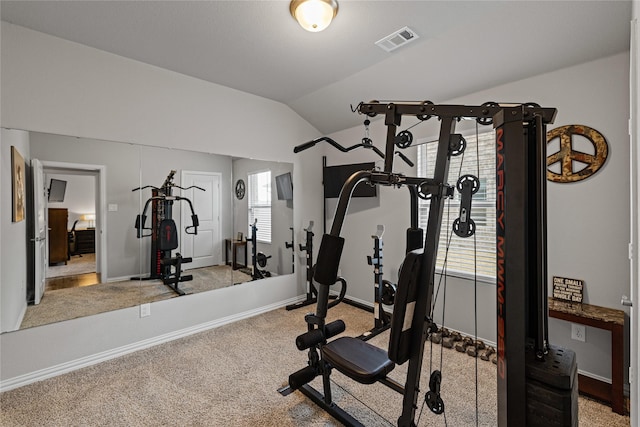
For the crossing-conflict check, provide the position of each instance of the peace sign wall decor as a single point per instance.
(568, 156)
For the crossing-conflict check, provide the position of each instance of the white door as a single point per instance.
(206, 247)
(40, 228)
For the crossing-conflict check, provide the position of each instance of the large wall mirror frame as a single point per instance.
(103, 264)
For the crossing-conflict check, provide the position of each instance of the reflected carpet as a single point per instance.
(70, 303)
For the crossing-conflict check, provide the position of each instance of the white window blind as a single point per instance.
(460, 257)
(259, 195)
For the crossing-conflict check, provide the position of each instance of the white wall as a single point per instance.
(79, 198)
(13, 292)
(52, 85)
(588, 220)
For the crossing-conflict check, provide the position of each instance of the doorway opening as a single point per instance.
(71, 218)
(75, 220)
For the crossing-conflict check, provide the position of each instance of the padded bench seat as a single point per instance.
(358, 359)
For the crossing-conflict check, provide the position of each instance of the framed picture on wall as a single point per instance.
(17, 185)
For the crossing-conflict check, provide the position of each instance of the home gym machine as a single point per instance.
(258, 259)
(536, 382)
(164, 233)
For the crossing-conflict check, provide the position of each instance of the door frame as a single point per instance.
(40, 234)
(100, 172)
(634, 242)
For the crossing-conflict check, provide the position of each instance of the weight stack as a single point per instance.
(552, 389)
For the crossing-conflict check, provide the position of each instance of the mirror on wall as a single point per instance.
(117, 197)
(263, 219)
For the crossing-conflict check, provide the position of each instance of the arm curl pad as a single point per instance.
(326, 271)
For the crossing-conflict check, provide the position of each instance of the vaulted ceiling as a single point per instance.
(257, 47)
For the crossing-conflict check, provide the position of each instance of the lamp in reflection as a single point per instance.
(90, 218)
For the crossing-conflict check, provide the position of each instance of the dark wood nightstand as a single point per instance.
(85, 241)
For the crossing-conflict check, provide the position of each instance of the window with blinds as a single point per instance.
(460, 256)
(259, 198)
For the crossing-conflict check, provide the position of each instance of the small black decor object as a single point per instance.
(240, 189)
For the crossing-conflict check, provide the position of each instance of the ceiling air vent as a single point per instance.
(399, 38)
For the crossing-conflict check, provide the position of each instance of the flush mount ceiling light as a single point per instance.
(314, 15)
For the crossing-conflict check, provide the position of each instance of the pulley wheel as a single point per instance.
(424, 196)
(404, 139)
(458, 145)
(434, 402)
(475, 182)
(424, 117)
(432, 397)
(487, 120)
(371, 113)
(471, 228)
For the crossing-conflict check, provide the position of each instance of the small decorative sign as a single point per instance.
(567, 289)
(569, 156)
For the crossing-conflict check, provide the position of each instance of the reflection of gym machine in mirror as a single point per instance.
(384, 291)
(258, 259)
(164, 236)
(311, 290)
(536, 382)
(293, 251)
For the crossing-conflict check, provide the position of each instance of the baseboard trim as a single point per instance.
(83, 362)
(123, 278)
(595, 377)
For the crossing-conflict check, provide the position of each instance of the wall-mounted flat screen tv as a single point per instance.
(57, 188)
(284, 186)
(335, 176)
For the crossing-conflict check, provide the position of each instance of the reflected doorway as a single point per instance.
(73, 200)
(71, 221)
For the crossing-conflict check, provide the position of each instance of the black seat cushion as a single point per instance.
(358, 359)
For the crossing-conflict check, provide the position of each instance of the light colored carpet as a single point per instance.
(70, 303)
(229, 376)
(76, 265)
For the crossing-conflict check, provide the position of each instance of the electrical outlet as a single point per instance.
(578, 332)
(145, 310)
